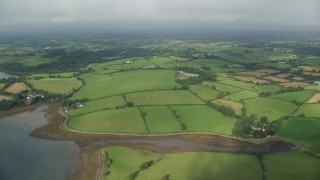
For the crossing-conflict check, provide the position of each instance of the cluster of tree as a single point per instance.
(6, 105)
(142, 167)
(227, 111)
(72, 104)
(307, 50)
(290, 89)
(251, 127)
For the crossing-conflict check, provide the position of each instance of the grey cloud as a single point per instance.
(145, 12)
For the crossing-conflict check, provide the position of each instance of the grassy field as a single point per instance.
(100, 104)
(221, 87)
(163, 97)
(160, 120)
(35, 61)
(245, 94)
(188, 165)
(309, 110)
(111, 121)
(125, 161)
(56, 85)
(300, 96)
(201, 118)
(16, 88)
(291, 165)
(98, 85)
(306, 130)
(272, 108)
(234, 105)
(204, 93)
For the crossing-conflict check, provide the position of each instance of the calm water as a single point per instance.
(5, 75)
(28, 158)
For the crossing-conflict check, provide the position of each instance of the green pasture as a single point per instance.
(126, 120)
(291, 165)
(221, 87)
(98, 85)
(300, 96)
(309, 110)
(242, 95)
(56, 85)
(272, 108)
(201, 118)
(160, 120)
(203, 92)
(99, 104)
(306, 130)
(163, 97)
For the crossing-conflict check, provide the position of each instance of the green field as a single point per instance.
(56, 85)
(160, 120)
(204, 93)
(43, 75)
(236, 106)
(291, 165)
(244, 94)
(100, 104)
(163, 97)
(300, 96)
(110, 121)
(99, 85)
(187, 165)
(309, 110)
(306, 130)
(201, 118)
(272, 108)
(35, 61)
(125, 161)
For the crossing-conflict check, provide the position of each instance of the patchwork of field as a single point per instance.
(16, 88)
(63, 75)
(221, 87)
(201, 118)
(239, 84)
(56, 85)
(272, 108)
(267, 88)
(294, 84)
(126, 120)
(99, 85)
(204, 165)
(163, 97)
(306, 130)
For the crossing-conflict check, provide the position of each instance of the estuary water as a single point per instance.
(28, 158)
(5, 75)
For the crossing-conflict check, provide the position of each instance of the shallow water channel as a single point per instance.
(5, 75)
(28, 158)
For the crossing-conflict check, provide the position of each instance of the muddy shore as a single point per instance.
(90, 160)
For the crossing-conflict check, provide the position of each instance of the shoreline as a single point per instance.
(91, 144)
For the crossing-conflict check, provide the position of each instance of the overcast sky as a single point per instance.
(113, 14)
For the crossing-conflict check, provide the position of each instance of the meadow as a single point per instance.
(56, 85)
(300, 96)
(99, 85)
(201, 118)
(306, 130)
(272, 108)
(309, 110)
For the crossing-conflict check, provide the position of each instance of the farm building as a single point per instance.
(316, 83)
